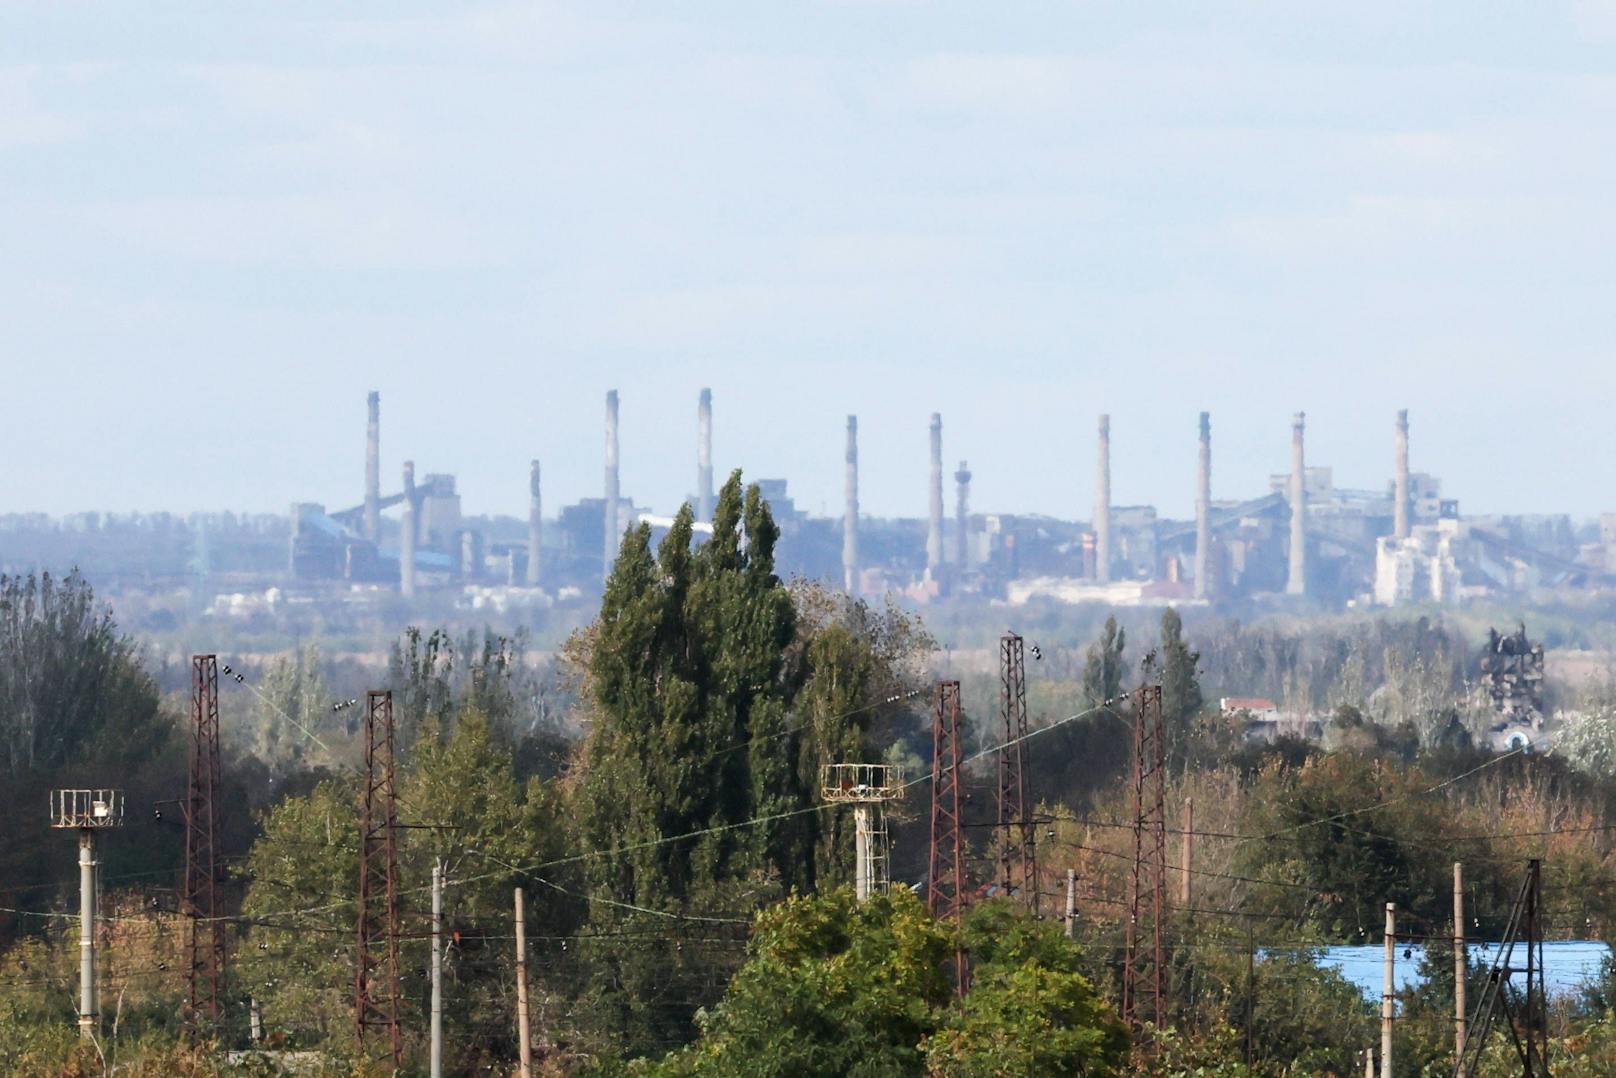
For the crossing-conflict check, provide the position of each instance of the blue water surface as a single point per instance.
(1568, 965)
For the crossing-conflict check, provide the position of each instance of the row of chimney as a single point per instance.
(1296, 580)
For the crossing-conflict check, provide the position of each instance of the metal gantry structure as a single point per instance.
(376, 975)
(1525, 1008)
(87, 812)
(1018, 852)
(945, 877)
(867, 787)
(205, 934)
(1144, 968)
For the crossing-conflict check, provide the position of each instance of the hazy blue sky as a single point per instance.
(222, 223)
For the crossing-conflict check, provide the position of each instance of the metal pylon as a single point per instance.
(945, 880)
(1018, 852)
(1144, 968)
(376, 977)
(200, 903)
(1525, 1014)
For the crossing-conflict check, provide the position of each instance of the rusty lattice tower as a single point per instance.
(945, 880)
(1144, 969)
(376, 976)
(1018, 853)
(203, 910)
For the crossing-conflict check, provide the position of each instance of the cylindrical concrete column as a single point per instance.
(373, 468)
(407, 535)
(87, 993)
(1203, 512)
(1102, 506)
(962, 516)
(864, 874)
(1296, 581)
(704, 456)
(1401, 507)
(1388, 997)
(934, 527)
(614, 534)
(850, 518)
(535, 524)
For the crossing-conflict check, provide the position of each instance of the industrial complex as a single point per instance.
(1303, 540)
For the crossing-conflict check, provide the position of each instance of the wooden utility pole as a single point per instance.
(1461, 967)
(525, 1046)
(1071, 903)
(1387, 999)
(1184, 854)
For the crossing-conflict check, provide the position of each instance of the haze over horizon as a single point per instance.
(225, 228)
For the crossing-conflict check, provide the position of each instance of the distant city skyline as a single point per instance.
(222, 230)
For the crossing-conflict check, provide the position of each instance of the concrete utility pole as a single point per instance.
(1184, 854)
(1388, 987)
(524, 1044)
(87, 811)
(1461, 968)
(1102, 506)
(437, 969)
(850, 519)
(1369, 1063)
(1071, 903)
(87, 992)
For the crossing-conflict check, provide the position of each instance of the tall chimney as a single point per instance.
(1401, 507)
(1102, 507)
(406, 535)
(934, 530)
(1296, 582)
(704, 456)
(614, 535)
(1203, 510)
(962, 515)
(535, 522)
(850, 570)
(373, 468)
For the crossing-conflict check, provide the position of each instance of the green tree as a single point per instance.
(1181, 685)
(1104, 672)
(1029, 1011)
(692, 740)
(831, 987)
(77, 709)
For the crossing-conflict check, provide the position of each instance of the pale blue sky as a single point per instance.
(222, 223)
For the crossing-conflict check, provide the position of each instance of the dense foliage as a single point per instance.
(655, 793)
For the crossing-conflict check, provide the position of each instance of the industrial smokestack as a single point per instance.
(406, 535)
(373, 468)
(962, 514)
(614, 535)
(1401, 507)
(850, 570)
(535, 522)
(1102, 507)
(704, 456)
(934, 530)
(1203, 510)
(1296, 583)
